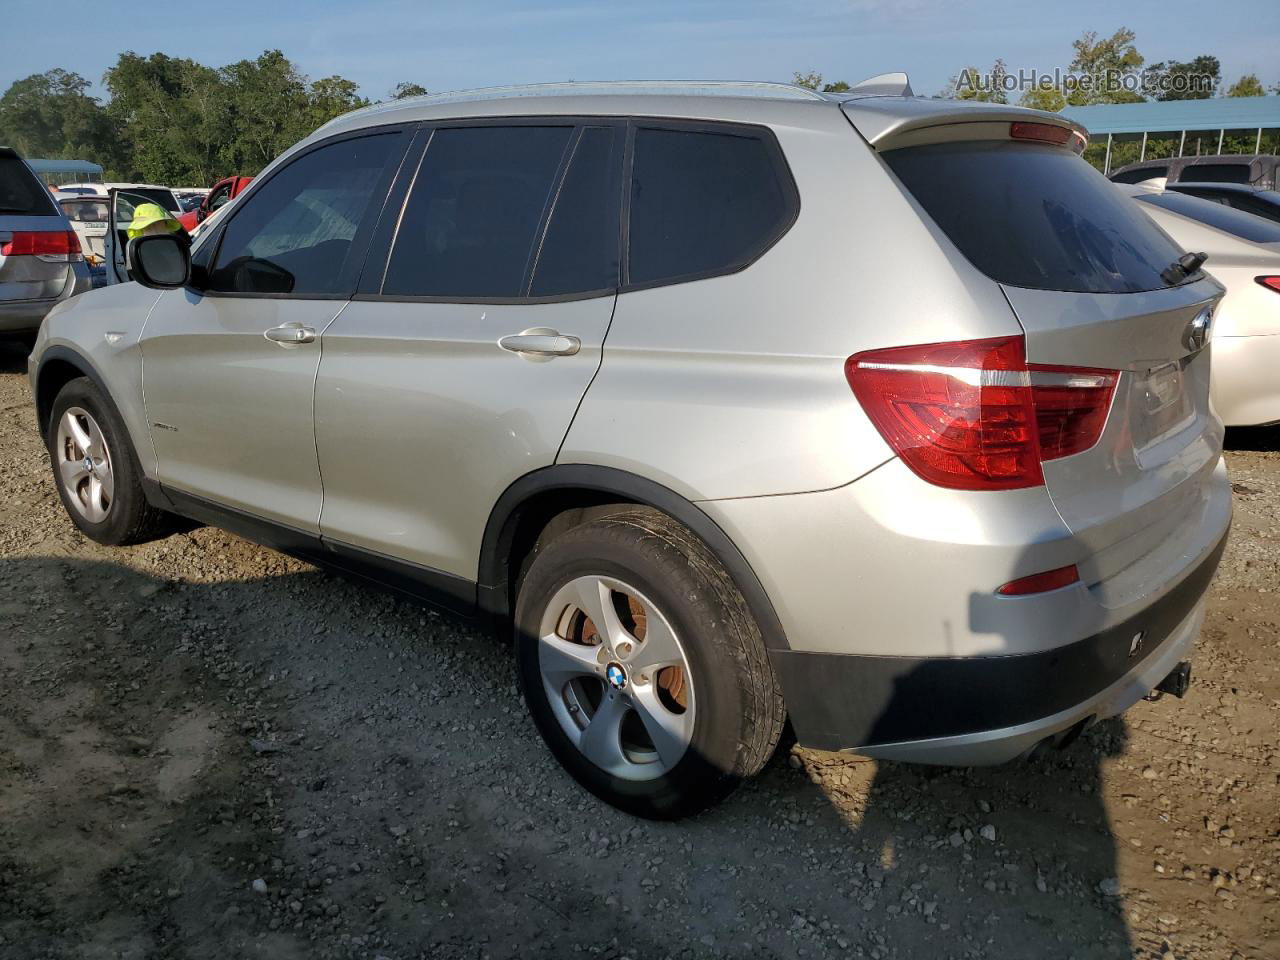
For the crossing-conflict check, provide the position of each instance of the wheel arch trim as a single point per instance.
(504, 519)
(44, 404)
(62, 353)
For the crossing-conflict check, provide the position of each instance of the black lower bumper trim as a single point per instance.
(842, 701)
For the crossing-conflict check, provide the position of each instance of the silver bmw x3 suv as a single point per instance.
(739, 405)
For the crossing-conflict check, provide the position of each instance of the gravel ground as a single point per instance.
(210, 750)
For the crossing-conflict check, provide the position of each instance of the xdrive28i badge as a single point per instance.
(1196, 335)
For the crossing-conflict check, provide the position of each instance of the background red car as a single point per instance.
(222, 193)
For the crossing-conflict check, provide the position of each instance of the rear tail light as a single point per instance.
(1041, 582)
(974, 415)
(1271, 283)
(51, 247)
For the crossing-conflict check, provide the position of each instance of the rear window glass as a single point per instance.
(1032, 215)
(21, 194)
(1217, 172)
(1246, 226)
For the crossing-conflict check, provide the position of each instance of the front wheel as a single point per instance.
(642, 667)
(98, 479)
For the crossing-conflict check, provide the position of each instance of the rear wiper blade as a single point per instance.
(1183, 267)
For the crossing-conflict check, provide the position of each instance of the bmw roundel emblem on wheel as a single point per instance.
(616, 676)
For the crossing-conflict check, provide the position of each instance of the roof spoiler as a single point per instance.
(884, 85)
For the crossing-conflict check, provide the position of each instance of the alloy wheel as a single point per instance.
(84, 464)
(616, 677)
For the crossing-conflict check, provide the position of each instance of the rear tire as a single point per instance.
(94, 467)
(678, 674)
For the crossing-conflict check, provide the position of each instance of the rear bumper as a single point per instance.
(25, 316)
(983, 710)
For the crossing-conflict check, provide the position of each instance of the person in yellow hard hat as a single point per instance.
(150, 219)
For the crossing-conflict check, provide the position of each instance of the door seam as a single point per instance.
(315, 430)
(613, 312)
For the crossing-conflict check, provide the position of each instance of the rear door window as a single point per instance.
(21, 194)
(579, 251)
(473, 218)
(704, 202)
(1246, 226)
(1032, 215)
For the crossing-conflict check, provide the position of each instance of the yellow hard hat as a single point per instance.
(145, 214)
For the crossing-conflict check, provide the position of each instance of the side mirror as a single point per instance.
(161, 262)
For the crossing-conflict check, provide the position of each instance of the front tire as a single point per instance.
(642, 667)
(97, 475)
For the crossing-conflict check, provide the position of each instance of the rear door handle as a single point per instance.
(541, 342)
(290, 333)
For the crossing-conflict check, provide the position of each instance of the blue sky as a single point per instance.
(453, 45)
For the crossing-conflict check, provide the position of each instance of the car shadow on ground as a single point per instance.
(1253, 439)
(13, 354)
(166, 743)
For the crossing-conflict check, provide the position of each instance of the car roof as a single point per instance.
(883, 102)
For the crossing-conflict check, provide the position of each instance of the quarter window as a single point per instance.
(473, 216)
(703, 203)
(295, 234)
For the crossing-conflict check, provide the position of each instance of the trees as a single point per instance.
(969, 84)
(174, 120)
(1196, 79)
(170, 117)
(406, 88)
(1248, 86)
(51, 115)
(1103, 60)
(813, 81)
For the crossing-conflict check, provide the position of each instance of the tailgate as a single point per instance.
(1161, 443)
(1089, 277)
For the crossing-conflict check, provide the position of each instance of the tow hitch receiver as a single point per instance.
(1176, 683)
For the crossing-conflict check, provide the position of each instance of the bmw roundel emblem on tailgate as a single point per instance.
(1197, 333)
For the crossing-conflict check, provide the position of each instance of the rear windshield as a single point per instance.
(1246, 226)
(1218, 172)
(1032, 215)
(21, 194)
(85, 211)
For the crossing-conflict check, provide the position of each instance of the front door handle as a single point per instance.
(541, 342)
(290, 333)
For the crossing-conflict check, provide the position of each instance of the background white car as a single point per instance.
(88, 216)
(1244, 256)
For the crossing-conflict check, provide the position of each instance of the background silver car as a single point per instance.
(40, 257)
(727, 397)
(1244, 256)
